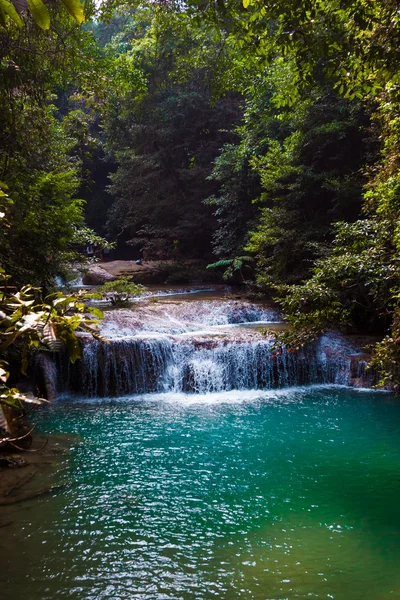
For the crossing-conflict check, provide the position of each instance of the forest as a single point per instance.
(262, 139)
(200, 299)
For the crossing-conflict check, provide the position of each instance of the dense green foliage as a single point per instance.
(355, 43)
(38, 11)
(164, 132)
(310, 178)
(41, 217)
(301, 166)
(41, 154)
(357, 285)
(267, 133)
(28, 322)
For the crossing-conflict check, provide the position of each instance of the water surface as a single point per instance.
(259, 495)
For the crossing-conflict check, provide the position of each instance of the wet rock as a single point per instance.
(361, 376)
(176, 317)
(46, 375)
(97, 276)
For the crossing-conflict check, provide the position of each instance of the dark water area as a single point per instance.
(278, 494)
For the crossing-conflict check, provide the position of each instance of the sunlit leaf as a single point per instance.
(3, 374)
(40, 13)
(11, 400)
(8, 9)
(75, 9)
(50, 338)
(96, 312)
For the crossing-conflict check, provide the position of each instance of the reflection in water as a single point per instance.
(262, 495)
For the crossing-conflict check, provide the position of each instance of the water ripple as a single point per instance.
(262, 495)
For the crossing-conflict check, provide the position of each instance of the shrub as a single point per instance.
(119, 291)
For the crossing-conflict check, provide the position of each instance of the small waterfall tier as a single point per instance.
(178, 317)
(202, 347)
(167, 364)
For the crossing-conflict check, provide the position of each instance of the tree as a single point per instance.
(119, 292)
(164, 136)
(355, 43)
(357, 286)
(311, 176)
(37, 161)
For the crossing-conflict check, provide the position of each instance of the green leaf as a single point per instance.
(50, 339)
(40, 13)
(11, 400)
(74, 347)
(96, 312)
(246, 3)
(8, 9)
(75, 9)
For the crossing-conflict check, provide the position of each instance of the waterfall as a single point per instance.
(124, 366)
(200, 347)
(166, 363)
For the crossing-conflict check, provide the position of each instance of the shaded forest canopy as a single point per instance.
(260, 137)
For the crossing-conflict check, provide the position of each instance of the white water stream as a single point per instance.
(200, 347)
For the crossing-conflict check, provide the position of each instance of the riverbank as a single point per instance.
(152, 272)
(27, 476)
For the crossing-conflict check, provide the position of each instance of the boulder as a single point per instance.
(97, 276)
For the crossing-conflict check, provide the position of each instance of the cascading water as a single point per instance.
(178, 317)
(203, 347)
(124, 366)
(166, 364)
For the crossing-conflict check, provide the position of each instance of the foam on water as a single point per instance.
(183, 317)
(176, 292)
(273, 396)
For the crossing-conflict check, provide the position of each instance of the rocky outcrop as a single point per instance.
(46, 375)
(361, 375)
(97, 276)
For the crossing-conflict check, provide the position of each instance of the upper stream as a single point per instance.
(202, 468)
